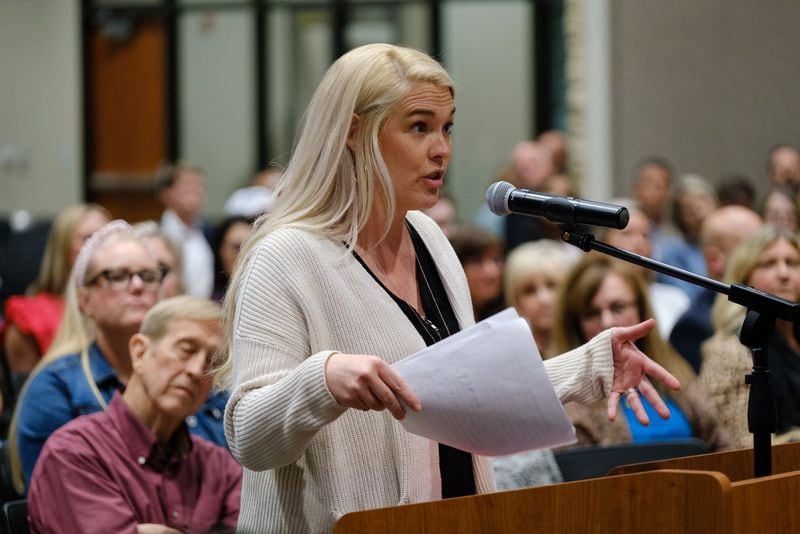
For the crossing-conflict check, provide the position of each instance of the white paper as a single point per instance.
(485, 390)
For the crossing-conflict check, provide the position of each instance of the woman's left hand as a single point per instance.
(631, 369)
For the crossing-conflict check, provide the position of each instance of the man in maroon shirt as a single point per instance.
(135, 467)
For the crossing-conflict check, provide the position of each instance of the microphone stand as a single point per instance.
(763, 309)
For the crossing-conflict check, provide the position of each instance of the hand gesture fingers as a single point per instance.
(654, 370)
(631, 368)
(613, 401)
(652, 396)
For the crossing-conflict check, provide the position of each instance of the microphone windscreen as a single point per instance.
(497, 197)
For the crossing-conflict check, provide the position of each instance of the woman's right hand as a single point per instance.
(368, 383)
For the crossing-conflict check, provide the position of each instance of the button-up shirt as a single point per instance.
(60, 392)
(107, 473)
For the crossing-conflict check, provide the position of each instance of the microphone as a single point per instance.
(503, 198)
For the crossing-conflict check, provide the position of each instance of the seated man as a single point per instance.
(136, 465)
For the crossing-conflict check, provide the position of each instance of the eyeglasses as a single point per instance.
(617, 308)
(120, 279)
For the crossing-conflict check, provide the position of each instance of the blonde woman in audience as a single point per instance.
(599, 293)
(533, 274)
(768, 260)
(113, 284)
(32, 320)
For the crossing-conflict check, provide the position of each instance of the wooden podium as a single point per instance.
(710, 493)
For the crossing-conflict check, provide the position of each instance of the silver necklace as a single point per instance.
(435, 303)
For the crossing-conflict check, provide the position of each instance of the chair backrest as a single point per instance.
(7, 490)
(16, 516)
(594, 461)
(20, 256)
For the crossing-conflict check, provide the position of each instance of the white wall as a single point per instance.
(217, 100)
(40, 105)
(488, 50)
(711, 85)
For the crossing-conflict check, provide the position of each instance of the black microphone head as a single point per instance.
(497, 197)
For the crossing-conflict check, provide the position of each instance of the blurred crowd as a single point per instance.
(67, 349)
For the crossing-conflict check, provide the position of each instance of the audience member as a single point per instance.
(599, 293)
(231, 232)
(694, 198)
(721, 232)
(559, 183)
(556, 141)
(768, 260)
(736, 190)
(168, 257)
(533, 274)
(135, 465)
(780, 208)
(652, 188)
(114, 282)
(783, 167)
(31, 321)
(481, 256)
(443, 213)
(256, 198)
(181, 190)
(533, 168)
(668, 301)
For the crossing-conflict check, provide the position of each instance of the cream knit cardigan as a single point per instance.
(307, 460)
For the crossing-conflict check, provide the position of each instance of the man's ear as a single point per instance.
(351, 136)
(138, 346)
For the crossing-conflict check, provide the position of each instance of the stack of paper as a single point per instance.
(485, 390)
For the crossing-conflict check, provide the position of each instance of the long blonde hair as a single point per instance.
(327, 188)
(726, 316)
(75, 333)
(54, 269)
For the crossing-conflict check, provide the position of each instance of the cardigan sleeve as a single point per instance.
(280, 399)
(583, 374)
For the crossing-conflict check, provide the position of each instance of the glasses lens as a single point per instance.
(117, 278)
(149, 276)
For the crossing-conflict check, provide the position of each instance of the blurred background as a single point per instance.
(97, 93)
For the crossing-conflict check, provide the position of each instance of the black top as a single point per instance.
(784, 366)
(439, 322)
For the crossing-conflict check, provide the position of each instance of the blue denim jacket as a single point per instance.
(60, 393)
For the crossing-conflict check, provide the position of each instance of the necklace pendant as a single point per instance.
(434, 328)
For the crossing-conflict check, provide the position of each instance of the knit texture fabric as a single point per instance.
(308, 460)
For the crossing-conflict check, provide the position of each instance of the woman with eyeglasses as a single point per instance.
(114, 282)
(600, 293)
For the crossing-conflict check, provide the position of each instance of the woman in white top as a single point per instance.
(344, 277)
